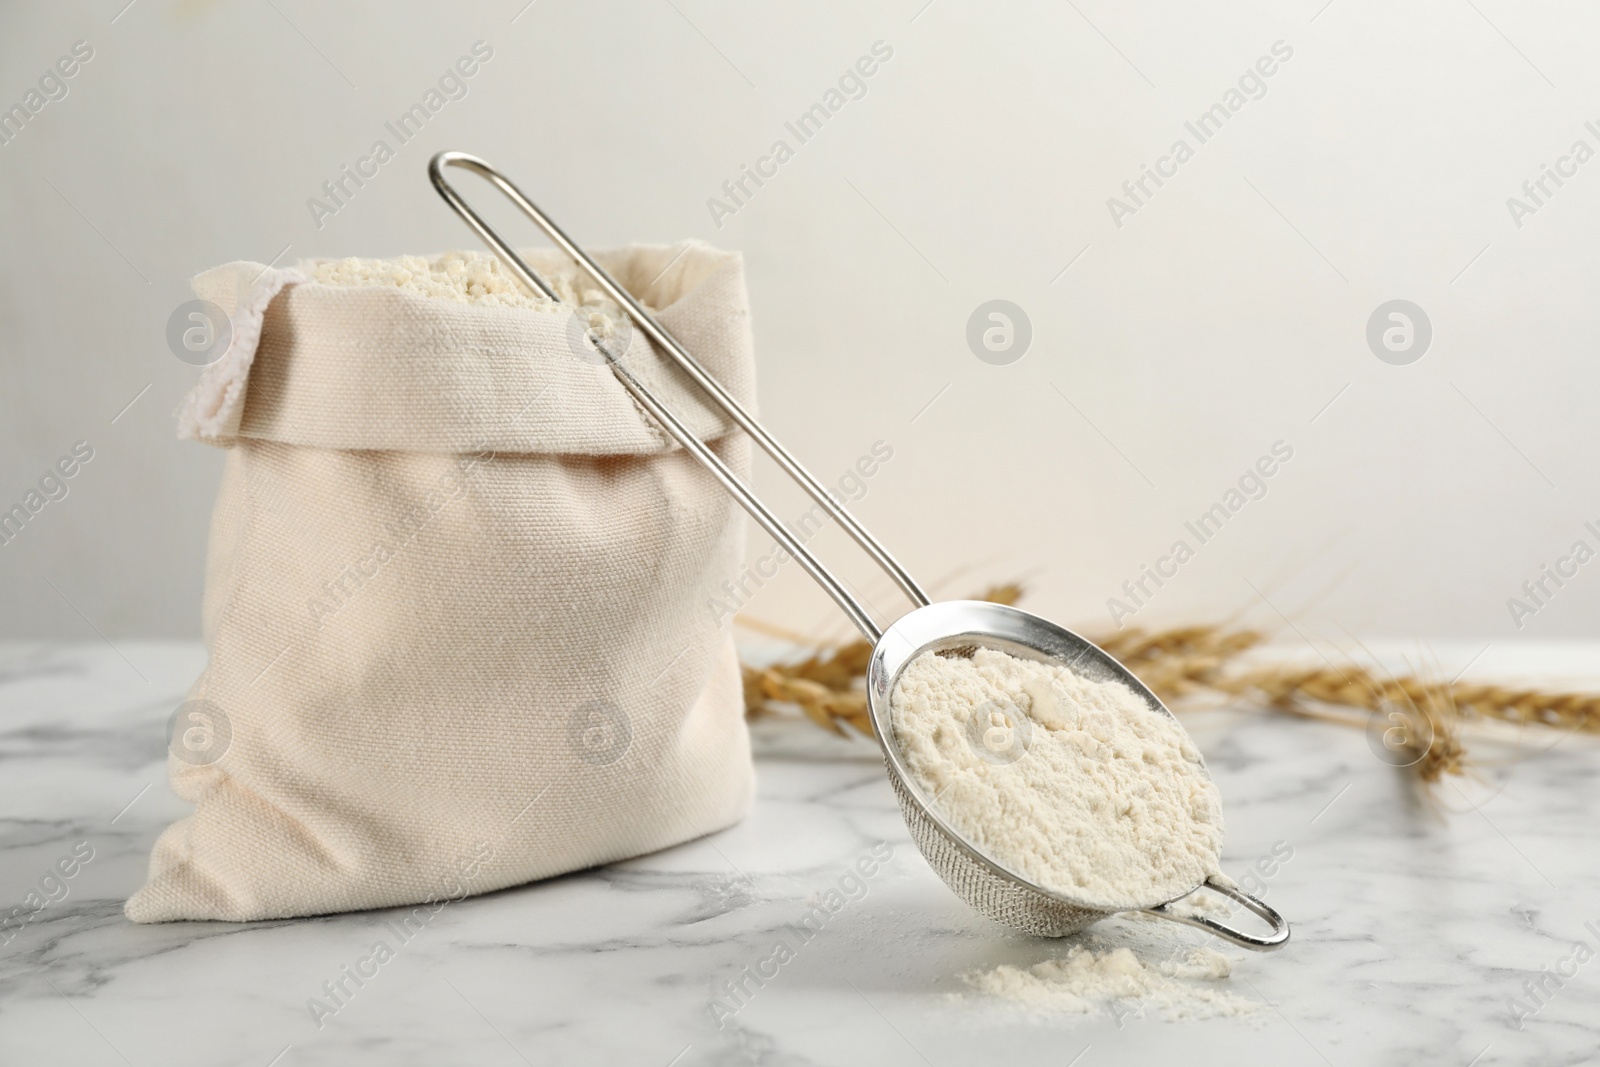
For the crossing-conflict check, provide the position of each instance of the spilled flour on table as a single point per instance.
(1085, 980)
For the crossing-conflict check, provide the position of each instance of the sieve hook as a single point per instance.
(698, 374)
(1280, 926)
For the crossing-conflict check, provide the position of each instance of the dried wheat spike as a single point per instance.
(1202, 659)
(826, 707)
(825, 685)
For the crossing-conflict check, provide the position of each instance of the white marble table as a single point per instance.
(1415, 920)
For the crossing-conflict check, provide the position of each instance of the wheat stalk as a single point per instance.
(1421, 720)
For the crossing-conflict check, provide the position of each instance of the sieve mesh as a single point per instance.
(1001, 899)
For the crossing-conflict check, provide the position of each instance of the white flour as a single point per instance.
(473, 278)
(468, 277)
(1078, 786)
(1187, 985)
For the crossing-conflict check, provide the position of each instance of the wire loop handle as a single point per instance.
(697, 373)
(1276, 939)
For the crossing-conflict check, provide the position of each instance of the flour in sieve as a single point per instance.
(1105, 799)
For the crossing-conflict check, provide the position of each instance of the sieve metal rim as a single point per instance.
(957, 623)
(898, 648)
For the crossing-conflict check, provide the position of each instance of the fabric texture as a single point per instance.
(456, 597)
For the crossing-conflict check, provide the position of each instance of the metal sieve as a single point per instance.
(951, 627)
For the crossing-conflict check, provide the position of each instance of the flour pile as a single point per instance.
(468, 277)
(1079, 786)
(1184, 986)
(471, 278)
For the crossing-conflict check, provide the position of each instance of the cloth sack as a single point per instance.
(456, 596)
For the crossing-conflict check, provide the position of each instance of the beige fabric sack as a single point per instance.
(456, 597)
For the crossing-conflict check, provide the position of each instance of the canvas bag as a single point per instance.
(457, 597)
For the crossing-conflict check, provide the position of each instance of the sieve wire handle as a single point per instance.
(1280, 926)
(698, 374)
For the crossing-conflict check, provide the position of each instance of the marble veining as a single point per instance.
(1418, 917)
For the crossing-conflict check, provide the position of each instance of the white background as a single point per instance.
(1222, 317)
